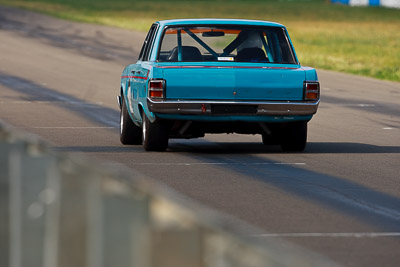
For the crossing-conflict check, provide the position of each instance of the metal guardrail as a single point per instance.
(63, 210)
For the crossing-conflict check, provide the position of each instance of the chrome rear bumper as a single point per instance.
(268, 108)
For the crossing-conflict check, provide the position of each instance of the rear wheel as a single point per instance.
(130, 134)
(294, 136)
(155, 135)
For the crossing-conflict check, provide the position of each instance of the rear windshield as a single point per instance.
(238, 44)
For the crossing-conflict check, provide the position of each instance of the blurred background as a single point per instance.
(354, 36)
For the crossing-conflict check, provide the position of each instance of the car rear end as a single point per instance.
(230, 78)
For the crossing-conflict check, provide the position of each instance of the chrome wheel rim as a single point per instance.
(121, 122)
(144, 128)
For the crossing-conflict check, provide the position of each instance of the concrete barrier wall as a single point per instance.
(384, 3)
(60, 210)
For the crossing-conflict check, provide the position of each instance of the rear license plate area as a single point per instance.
(233, 109)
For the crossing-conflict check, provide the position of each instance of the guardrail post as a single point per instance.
(125, 224)
(176, 239)
(24, 164)
(4, 201)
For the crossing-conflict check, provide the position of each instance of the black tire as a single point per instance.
(294, 136)
(269, 140)
(154, 135)
(272, 138)
(130, 134)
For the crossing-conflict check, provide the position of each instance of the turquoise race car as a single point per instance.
(198, 76)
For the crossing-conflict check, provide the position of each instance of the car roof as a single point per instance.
(177, 22)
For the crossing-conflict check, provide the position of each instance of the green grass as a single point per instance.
(359, 40)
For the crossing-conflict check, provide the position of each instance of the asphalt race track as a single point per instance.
(340, 198)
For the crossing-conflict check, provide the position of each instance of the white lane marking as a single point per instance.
(357, 235)
(76, 103)
(360, 203)
(66, 127)
(357, 105)
(216, 163)
(387, 128)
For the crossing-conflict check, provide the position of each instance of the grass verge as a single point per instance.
(358, 40)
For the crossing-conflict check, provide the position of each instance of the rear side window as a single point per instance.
(145, 51)
(237, 44)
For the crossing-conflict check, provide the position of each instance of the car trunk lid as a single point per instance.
(239, 82)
